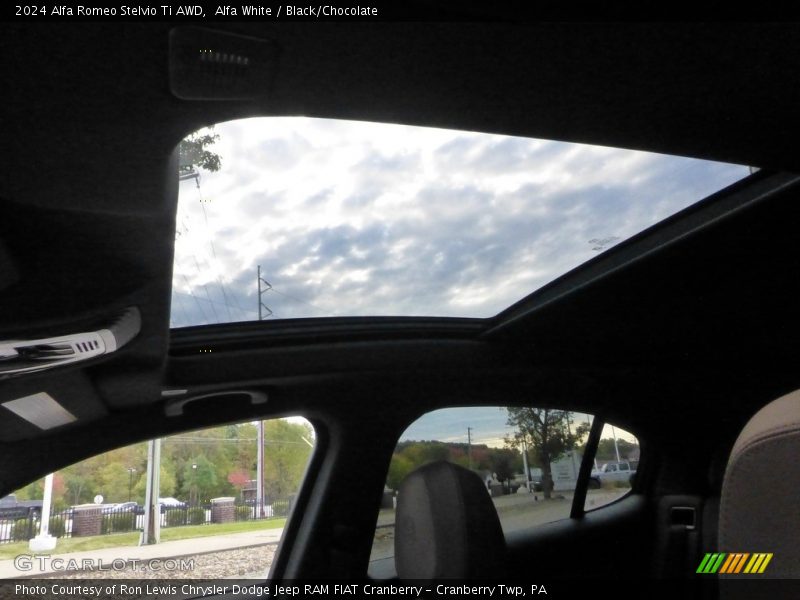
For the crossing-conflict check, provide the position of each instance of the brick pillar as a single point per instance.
(223, 510)
(87, 519)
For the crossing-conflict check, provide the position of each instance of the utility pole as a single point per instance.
(616, 448)
(261, 306)
(589, 425)
(152, 508)
(525, 465)
(44, 541)
(469, 447)
(260, 471)
(260, 451)
(131, 471)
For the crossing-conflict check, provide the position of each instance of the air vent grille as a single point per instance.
(46, 351)
(214, 65)
(24, 356)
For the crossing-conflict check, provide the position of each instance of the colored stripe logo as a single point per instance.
(734, 563)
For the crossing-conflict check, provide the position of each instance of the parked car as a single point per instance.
(123, 507)
(612, 472)
(535, 481)
(171, 503)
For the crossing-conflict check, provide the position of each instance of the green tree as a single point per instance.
(166, 483)
(423, 452)
(32, 491)
(113, 482)
(286, 454)
(216, 452)
(607, 452)
(399, 468)
(201, 475)
(193, 152)
(502, 460)
(548, 433)
(244, 451)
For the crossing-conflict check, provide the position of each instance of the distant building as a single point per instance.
(249, 492)
(565, 471)
(11, 501)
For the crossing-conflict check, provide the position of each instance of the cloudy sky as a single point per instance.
(354, 219)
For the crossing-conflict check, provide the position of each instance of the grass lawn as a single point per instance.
(114, 540)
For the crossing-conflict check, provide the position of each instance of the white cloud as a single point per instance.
(351, 218)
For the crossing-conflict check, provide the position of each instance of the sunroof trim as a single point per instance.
(718, 206)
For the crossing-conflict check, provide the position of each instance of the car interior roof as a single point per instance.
(691, 319)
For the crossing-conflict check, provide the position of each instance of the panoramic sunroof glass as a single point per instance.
(324, 218)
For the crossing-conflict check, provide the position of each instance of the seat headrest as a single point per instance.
(759, 508)
(446, 526)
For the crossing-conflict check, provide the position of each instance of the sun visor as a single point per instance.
(41, 403)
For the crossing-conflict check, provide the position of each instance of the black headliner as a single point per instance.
(702, 327)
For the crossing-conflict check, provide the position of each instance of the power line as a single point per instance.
(230, 293)
(212, 302)
(214, 250)
(183, 309)
(270, 288)
(205, 287)
(230, 298)
(215, 269)
(196, 299)
(322, 310)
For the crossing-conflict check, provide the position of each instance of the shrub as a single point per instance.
(118, 522)
(196, 515)
(175, 517)
(243, 513)
(56, 527)
(22, 530)
(280, 508)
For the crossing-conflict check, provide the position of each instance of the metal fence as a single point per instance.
(20, 524)
(174, 516)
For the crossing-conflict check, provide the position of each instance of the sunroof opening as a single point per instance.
(297, 217)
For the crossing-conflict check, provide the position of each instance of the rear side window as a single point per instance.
(528, 459)
(207, 506)
(614, 467)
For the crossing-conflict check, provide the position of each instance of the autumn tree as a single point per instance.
(410, 455)
(238, 479)
(195, 466)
